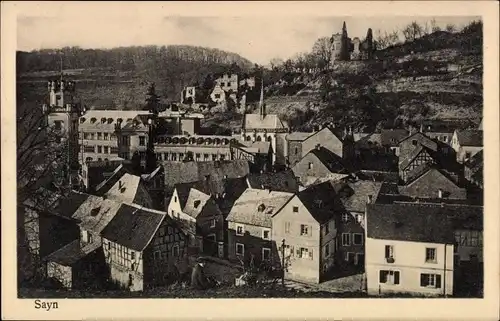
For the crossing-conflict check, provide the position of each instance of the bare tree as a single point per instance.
(434, 26)
(276, 63)
(451, 27)
(322, 50)
(412, 31)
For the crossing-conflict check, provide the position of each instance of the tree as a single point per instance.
(344, 49)
(369, 43)
(434, 26)
(152, 99)
(322, 52)
(42, 164)
(412, 31)
(276, 63)
(451, 27)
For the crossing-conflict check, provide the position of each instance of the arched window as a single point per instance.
(192, 140)
(110, 120)
(225, 141)
(269, 138)
(248, 138)
(82, 120)
(175, 140)
(103, 120)
(199, 141)
(93, 120)
(88, 159)
(259, 138)
(217, 141)
(208, 141)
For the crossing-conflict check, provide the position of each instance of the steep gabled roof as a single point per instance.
(256, 207)
(322, 202)
(284, 181)
(198, 202)
(392, 137)
(424, 141)
(95, 213)
(72, 253)
(429, 182)
(354, 195)
(409, 222)
(471, 137)
(134, 226)
(333, 162)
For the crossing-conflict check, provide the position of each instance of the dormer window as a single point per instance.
(119, 120)
(103, 120)
(414, 142)
(261, 208)
(110, 120)
(82, 120)
(93, 120)
(197, 203)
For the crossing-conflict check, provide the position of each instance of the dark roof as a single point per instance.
(409, 222)
(354, 195)
(331, 160)
(392, 137)
(185, 172)
(133, 226)
(71, 253)
(322, 202)
(429, 182)
(471, 137)
(284, 181)
(378, 176)
(67, 206)
(476, 162)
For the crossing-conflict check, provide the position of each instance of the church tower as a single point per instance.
(61, 120)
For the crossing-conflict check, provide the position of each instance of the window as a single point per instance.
(173, 214)
(295, 209)
(467, 155)
(156, 255)
(217, 96)
(132, 255)
(304, 230)
(357, 239)
(389, 277)
(86, 136)
(430, 255)
(414, 142)
(310, 165)
(213, 222)
(106, 136)
(266, 234)
(430, 280)
(305, 253)
(240, 229)
(296, 150)
(106, 149)
(240, 249)
(350, 257)
(445, 138)
(175, 250)
(287, 227)
(327, 228)
(345, 217)
(346, 239)
(161, 232)
(99, 136)
(266, 254)
(142, 141)
(58, 124)
(359, 218)
(327, 249)
(198, 156)
(389, 252)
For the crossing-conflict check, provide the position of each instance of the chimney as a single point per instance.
(318, 146)
(440, 193)
(369, 199)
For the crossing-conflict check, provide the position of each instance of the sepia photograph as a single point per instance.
(248, 156)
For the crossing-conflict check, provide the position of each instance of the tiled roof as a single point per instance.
(152, 175)
(133, 226)
(197, 202)
(300, 136)
(254, 121)
(256, 147)
(429, 182)
(409, 222)
(363, 140)
(392, 137)
(354, 195)
(67, 206)
(184, 172)
(332, 177)
(423, 140)
(470, 137)
(111, 117)
(71, 253)
(125, 189)
(105, 185)
(95, 213)
(404, 162)
(476, 161)
(246, 208)
(332, 161)
(378, 176)
(284, 181)
(322, 202)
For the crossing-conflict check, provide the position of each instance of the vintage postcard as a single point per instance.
(343, 155)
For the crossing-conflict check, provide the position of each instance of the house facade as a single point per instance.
(404, 254)
(143, 248)
(308, 226)
(250, 225)
(467, 143)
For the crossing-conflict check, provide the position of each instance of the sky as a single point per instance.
(258, 38)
